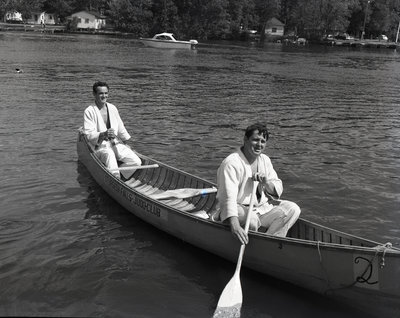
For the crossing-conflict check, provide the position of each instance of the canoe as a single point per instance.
(168, 41)
(356, 271)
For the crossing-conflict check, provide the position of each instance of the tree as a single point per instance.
(203, 19)
(318, 17)
(61, 8)
(131, 15)
(394, 7)
(165, 16)
(217, 19)
(242, 16)
(380, 17)
(214, 19)
(356, 19)
(286, 15)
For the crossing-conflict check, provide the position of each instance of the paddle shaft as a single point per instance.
(246, 226)
(128, 168)
(183, 193)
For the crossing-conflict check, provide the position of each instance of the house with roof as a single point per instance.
(13, 17)
(36, 18)
(88, 20)
(274, 27)
(42, 18)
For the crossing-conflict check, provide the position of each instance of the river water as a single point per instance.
(67, 249)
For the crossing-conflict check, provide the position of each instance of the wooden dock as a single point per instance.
(377, 44)
(32, 28)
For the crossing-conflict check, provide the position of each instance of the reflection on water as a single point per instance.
(334, 127)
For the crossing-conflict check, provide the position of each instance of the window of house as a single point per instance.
(86, 21)
(79, 20)
(274, 30)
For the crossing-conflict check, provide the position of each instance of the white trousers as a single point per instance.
(276, 221)
(109, 155)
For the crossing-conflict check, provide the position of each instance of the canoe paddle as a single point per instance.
(230, 301)
(182, 193)
(129, 168)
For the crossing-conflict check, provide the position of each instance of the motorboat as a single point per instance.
(168, 41)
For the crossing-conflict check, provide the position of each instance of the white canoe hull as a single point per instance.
(323, 260)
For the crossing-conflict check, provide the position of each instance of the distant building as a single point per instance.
(13, 17)
(42, 18)
(88, 20)
(274, 27)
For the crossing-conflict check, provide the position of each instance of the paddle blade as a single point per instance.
(127, 173)
(183, 193)
(230, 301)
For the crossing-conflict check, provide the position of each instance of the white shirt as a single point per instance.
(234, 179)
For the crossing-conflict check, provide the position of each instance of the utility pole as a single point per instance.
(365, 19)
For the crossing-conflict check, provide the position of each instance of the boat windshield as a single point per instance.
(164, 37)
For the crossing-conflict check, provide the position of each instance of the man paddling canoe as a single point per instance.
(107, 133)
(235, 178)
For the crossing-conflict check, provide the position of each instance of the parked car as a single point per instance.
(342, 36)
(329, 37)
(382, 37)
(301, 41)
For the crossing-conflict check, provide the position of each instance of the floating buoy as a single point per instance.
(18, 70)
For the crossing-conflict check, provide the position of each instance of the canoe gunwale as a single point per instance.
(333, 246)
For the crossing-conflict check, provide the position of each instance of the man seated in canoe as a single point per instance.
(235, 182)
(106, 132)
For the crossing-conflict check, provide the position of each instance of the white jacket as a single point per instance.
(234, 179)
(94, 124)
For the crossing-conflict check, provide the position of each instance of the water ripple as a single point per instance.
(334, 122)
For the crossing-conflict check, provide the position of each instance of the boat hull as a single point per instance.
(168, 44)
(317, 258)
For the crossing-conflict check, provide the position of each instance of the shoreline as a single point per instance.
(19, 27)
(52, 29)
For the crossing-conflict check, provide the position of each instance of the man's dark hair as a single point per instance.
(99, 84)
(262, 129)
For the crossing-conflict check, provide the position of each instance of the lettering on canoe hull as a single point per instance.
(366, 272)
(135, 200)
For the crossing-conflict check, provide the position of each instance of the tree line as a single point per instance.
(222, 19)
